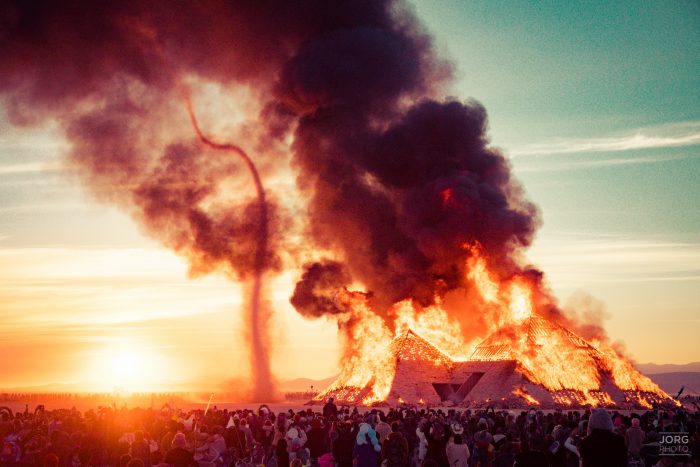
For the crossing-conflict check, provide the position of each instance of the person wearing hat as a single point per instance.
(602, 447)
(266, 436)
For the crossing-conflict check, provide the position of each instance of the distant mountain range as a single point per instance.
(655, 368)
(305, 384)
(673, 382)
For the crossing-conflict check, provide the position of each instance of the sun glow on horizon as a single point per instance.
(127, 366)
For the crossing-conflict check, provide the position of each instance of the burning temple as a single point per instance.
(538, 363)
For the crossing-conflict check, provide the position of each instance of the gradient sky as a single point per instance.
(597, 106)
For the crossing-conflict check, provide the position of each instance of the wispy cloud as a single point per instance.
(30, 167)
(600, 163)
(659, 136)
(577, 261)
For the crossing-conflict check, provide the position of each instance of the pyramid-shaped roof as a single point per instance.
(417, 363)
(411, 347)
(536, 330)
(500, 371)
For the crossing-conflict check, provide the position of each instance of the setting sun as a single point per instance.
(126, 367)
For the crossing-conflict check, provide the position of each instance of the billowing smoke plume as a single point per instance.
(319, 291)
(400, 183)
(114, 76)
(402, 201)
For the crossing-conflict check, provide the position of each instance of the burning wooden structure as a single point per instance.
(515, 367)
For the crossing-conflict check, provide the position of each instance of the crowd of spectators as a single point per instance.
(344, 437)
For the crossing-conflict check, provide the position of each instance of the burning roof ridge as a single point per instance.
(403, 339)
(535, 323)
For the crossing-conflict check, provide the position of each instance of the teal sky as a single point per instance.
(597, 105)
(565, 69)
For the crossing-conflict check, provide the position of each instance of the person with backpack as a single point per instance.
(482, 444)
(395, 448)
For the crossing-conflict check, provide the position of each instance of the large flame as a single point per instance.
(548, 354)
(433, 324)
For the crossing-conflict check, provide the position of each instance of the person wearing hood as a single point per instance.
(367, 448)
(395, 448)
(602, 447)
(382, 428)
(634, 439)
(482, 443)
(296, 441)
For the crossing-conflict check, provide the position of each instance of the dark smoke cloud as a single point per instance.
(402, 199)
(317, 293)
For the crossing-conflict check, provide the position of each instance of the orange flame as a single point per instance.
(520, 392)
(572, 369)
(434, 325)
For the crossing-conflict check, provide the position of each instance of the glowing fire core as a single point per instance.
(573, 371)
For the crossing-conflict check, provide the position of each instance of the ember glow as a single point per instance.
(573, 370)
(520, 392)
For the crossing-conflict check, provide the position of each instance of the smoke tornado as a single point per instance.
(260, 359)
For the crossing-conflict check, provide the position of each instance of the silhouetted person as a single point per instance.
(330, 409)
(533, 454)
(343, 445)
(281, 453)
(395, 448)
(178, 456)
(140, 449)
(602, 447)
